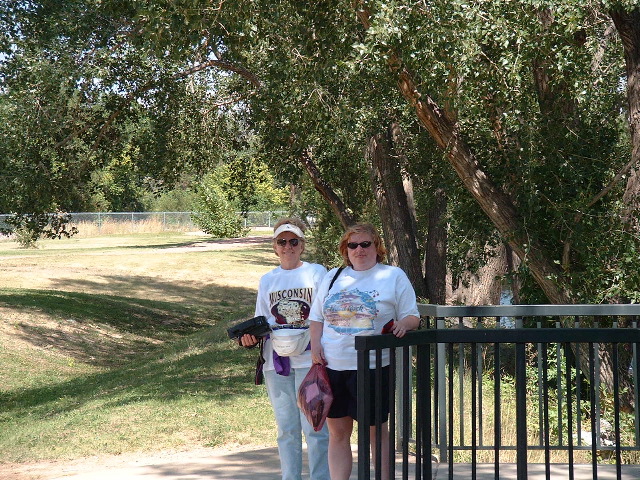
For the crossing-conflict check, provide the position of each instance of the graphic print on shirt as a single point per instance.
(291, 307)
(351, 312)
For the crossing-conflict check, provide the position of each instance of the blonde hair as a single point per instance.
(362, 228)
(293, 221)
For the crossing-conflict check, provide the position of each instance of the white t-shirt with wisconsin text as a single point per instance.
(285, 298)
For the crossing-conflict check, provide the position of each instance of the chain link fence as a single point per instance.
(138, 222)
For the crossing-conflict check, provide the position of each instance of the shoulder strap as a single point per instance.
(333, 280)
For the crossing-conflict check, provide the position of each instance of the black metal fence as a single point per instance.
(465, 391)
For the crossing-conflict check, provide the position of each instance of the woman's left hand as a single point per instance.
(399, 329)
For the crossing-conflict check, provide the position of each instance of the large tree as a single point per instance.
(513, 98)
(521, 100)
(87, 83)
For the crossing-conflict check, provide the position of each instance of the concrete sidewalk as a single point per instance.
(258, 464)
(243, 463)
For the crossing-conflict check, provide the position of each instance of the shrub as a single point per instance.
(215, 215)
(26, 237)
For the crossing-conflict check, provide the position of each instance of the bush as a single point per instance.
(216, 216)
(28, 228)
(25, 237)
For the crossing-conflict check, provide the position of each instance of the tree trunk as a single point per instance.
(628, 26)
(485, 286)
(435, 259)
(396, 136)
(337, 205)
(493, 201)
(386, 179)
(556, 106)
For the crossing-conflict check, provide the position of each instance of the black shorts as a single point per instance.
(344, 386)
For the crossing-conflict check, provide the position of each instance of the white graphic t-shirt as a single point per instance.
(360, 303)
(285, 298)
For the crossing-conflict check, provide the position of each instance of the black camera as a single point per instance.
(256, 326)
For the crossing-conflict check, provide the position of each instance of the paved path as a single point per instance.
(200, 464)
(254, 464)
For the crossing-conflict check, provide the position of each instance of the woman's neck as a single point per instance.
(291, 265)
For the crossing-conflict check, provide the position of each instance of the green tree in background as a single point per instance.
(487, 125)
(522, 103)
(214, 213)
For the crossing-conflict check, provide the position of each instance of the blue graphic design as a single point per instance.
(351, 312)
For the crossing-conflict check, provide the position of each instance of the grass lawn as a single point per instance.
(118, 344)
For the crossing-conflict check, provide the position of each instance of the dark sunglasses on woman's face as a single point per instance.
(354, 245)
(292, 241)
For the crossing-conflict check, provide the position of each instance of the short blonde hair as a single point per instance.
(293, 221)
(362, 228)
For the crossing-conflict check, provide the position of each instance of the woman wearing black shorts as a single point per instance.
(361, 299)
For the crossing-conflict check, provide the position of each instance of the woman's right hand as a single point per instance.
(317, 354)
(248, 341)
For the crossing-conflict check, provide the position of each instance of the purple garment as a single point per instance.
(282, 365)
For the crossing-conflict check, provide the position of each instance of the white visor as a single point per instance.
(287, 227)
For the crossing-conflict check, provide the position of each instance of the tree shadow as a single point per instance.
(218, 373)
(136, 288)
(107, 330)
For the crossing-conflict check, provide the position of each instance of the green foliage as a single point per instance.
(325, 237)
(116, 187)
(25, 237)
(92, 113)
(215, 214)
(177, 200)
(248, 182)
(104, 100)
(551, 146)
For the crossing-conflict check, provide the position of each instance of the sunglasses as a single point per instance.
(354, 245)
(292, 241)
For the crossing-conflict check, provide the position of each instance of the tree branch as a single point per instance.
(131, 96)
(494, 202)
(322, 186)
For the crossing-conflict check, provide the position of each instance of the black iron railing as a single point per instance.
(571, 378)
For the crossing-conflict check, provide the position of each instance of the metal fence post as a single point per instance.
(442, 396)
(402, 410)
(521, 410)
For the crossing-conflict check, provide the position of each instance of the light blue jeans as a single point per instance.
(283, 395)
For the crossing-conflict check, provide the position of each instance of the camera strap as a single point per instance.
(259, 375)
(333, 280)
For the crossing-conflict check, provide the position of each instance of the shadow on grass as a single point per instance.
(184, 292)
(107, 330)
(216, 369)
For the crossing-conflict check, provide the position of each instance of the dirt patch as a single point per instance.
(222, 244)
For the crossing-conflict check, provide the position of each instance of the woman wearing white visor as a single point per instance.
(285, 295)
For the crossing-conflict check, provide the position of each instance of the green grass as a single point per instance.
(118, 344)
